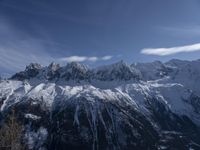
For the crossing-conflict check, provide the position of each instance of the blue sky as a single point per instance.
(97, 32)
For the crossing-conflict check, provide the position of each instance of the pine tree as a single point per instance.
(11, 134)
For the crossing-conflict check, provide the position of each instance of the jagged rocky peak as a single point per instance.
(177, 62)
(33, 66)
(53, 66)
(77, 66)
(186, 72)
(77, 71)
(184, 67)
(31, 71)
(74, 71)
(153, 70)
(52, 71)
(117, 71)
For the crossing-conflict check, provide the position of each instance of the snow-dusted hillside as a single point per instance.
(140, 106)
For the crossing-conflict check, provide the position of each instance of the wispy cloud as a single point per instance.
(85, 58)
(17, 49)
(172, 50)
(181, 31)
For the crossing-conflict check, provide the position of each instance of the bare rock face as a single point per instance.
(31, 71)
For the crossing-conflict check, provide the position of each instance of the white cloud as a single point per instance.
(106, 57)
(85, 58)
(172, 50)
(93, 58)
(74, 58)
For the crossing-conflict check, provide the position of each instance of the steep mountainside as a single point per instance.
(116, 107)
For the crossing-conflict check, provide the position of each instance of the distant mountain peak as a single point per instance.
(116, 71)
(78, 71)
(33, 66)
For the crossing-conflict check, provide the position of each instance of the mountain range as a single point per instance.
(142, 106)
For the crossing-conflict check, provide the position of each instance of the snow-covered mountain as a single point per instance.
(115, 107)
